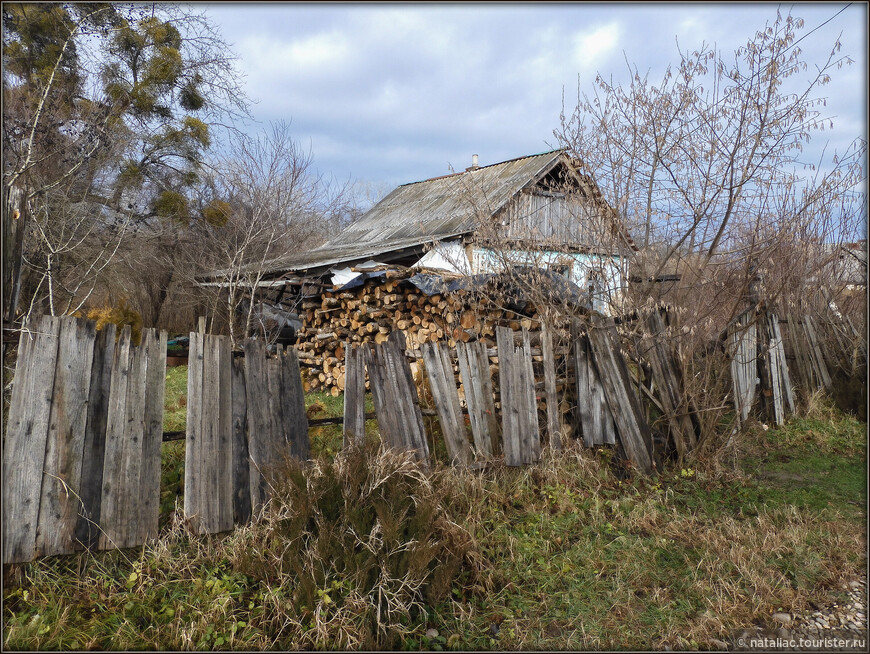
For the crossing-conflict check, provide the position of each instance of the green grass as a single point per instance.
(175, 399)
(565, 555)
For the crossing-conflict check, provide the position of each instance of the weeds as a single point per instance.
(365, 551)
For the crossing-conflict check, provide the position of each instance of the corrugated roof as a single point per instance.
(432, 209)
(445, 206)
(422, 212)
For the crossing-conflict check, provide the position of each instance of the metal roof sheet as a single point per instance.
(425, 211)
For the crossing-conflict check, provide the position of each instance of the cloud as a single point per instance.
(591, 48)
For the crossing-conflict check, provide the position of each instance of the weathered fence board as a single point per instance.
(820, 368)
(249, 416)
(27, 437)
(779, 380)
(59, 502)
(242, 495)
(295, 423)
(354, 396)
(439, 370)
(113, 506)
(395, 397)
(667, 376)
(519, 411)
(477, 382)
(744, 367)
(634, 433)
(554, 428)
(261, 450)
(94, 446)
(596, 421)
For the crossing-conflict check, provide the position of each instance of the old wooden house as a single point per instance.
(536, 211)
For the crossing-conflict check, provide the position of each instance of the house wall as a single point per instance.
(603, 271)
(554, 218)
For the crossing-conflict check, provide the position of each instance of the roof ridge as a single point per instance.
(500, 163)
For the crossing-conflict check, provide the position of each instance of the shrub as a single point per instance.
(359, 545)
(118, 315)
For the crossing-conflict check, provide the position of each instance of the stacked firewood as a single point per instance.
(369, 313)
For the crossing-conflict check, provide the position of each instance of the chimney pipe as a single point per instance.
(474, 165)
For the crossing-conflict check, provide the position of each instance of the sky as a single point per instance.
(385, 94)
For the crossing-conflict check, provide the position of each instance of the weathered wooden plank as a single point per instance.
(112, 508)
(223, 472)
(240, 459)
(295, 418)
(154, 346)
(60, 500)
(213, 511)
(408, 401)
(354, 396)
(260, 440)
(475, 375)
(668, 379)
(530, 430)
(26, 437)
(439, 370)
(554, 428)
(819, 366)
(510, 402)
(375, 372)
(634, 434)
(596, 421)
(742, 340)
(87, 529)
(395, 396)
(194, 441)
(774, 371)
(130, 491)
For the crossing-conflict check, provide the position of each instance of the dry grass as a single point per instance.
(367, 551)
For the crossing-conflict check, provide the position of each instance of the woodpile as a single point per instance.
(383, 304)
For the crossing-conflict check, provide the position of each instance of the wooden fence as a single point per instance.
(82, 448)
(610, 411)
(243, 415)
(81, 456)
(505, 416)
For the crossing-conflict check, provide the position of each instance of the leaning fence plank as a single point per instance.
(819, 366)
(439, 370)
(60, 500)
(742, 340)
(154, 346)
(476, 379)
(354, 396)
(783, 364)
(94, 446)
(634, 434)
(112, 515)
(667, 376)
(596, 421)
(509, 402)
(26, 438)
(554, 429)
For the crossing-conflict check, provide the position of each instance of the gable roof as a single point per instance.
(415, 214)
(448, 205)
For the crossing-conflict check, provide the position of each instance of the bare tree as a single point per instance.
(266, 202)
